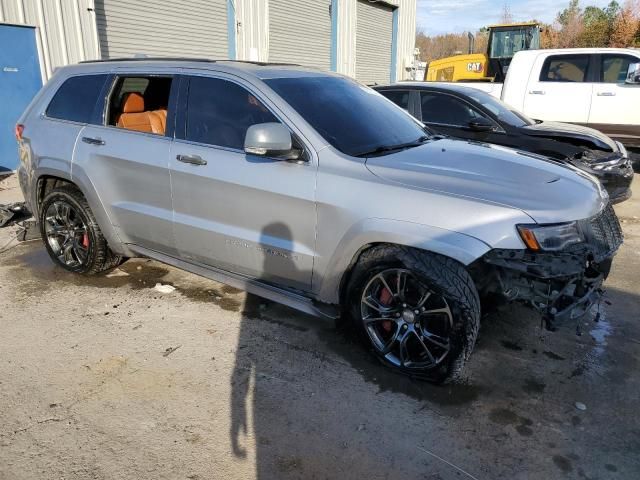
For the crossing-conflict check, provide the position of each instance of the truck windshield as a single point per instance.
(506, 43)
(353, 118)
(500, 109)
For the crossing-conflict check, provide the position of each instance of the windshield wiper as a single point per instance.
(393, 148)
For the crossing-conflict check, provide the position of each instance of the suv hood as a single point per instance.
(589, 137)
(547, 191)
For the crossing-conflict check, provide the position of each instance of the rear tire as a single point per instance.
(71, 233)
(419, 312)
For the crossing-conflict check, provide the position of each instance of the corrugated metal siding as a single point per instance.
(406, 38)
(300, 32)
(373, 43)
(252, 22)
(65, 29)
(197, 28)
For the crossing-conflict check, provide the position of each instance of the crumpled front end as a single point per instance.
(562, 285)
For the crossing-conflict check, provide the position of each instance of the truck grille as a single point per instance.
(603, 232)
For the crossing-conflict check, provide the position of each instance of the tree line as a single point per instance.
(616, 25)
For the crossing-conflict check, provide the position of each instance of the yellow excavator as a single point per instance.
(504, 42)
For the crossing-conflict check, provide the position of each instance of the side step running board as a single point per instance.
(264, 290)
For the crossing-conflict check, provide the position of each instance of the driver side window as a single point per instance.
(445, 109)
(219, 112)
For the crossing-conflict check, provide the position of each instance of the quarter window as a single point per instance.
(219, 112)
(446, 110)
(565, 68)
(76, 99)
(614, 68)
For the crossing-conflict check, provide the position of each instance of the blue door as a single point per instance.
(20, 80)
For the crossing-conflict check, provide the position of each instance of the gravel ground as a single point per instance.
(106, 378)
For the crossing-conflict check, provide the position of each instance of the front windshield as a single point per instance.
(500, 109)
(353, 118)
(506, 43)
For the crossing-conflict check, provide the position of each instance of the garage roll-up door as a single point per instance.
(300, 32)
(373, 42)
(197, 28)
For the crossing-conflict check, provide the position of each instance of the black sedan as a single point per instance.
(472, 114)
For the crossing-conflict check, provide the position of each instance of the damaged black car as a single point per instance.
(471, 114)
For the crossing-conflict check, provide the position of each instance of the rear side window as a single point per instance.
(76, 98)
(140, 103)
(565, 68)
(399, 97)
(219, 112)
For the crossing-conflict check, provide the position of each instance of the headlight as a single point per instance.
(550, 237)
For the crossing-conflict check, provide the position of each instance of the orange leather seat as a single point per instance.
(134, 117)
(158, 121)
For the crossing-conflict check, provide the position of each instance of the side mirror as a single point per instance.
(633, 75)
(481, 124)
(270, 140)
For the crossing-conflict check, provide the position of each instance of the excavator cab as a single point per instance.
(505, 41)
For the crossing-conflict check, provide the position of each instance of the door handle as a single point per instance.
(192, 159)
(537, 92)
(93, 141)
(606, 94)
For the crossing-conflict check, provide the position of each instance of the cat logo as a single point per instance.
(474, 67)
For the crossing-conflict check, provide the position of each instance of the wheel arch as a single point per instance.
(47, 181)
(375, 232)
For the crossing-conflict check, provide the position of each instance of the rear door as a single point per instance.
(129, 166)
(562, 90)
(242, 213)
(614, 102)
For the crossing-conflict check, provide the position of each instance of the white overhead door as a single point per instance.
(373, 42)
(300, 32)
(197, 28)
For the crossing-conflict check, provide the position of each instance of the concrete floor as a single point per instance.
(105, 378)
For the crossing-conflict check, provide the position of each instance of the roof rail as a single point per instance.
(185, 59)
(149, 59)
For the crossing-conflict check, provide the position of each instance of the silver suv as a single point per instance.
(312, 190)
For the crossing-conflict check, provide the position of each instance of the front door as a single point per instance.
(238, 212)
(452, 116)
(562, 92)
(614, 102)
(20, 80)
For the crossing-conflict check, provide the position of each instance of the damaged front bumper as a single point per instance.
(561, 285)
(614, 171)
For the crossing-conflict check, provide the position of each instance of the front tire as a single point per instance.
(71, 234)
(418, 311)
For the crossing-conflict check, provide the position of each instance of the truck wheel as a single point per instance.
(71, 234)
(419, 311)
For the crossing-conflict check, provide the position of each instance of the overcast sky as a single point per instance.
(454, 16)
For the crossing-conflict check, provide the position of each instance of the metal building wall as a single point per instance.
(300, 32)
(65, 29)
(197, 28)
(405, 38)
(252, 29)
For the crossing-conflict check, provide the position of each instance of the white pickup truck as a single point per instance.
(598, 87)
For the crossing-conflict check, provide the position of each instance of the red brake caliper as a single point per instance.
(385, 299)
(85, 240)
